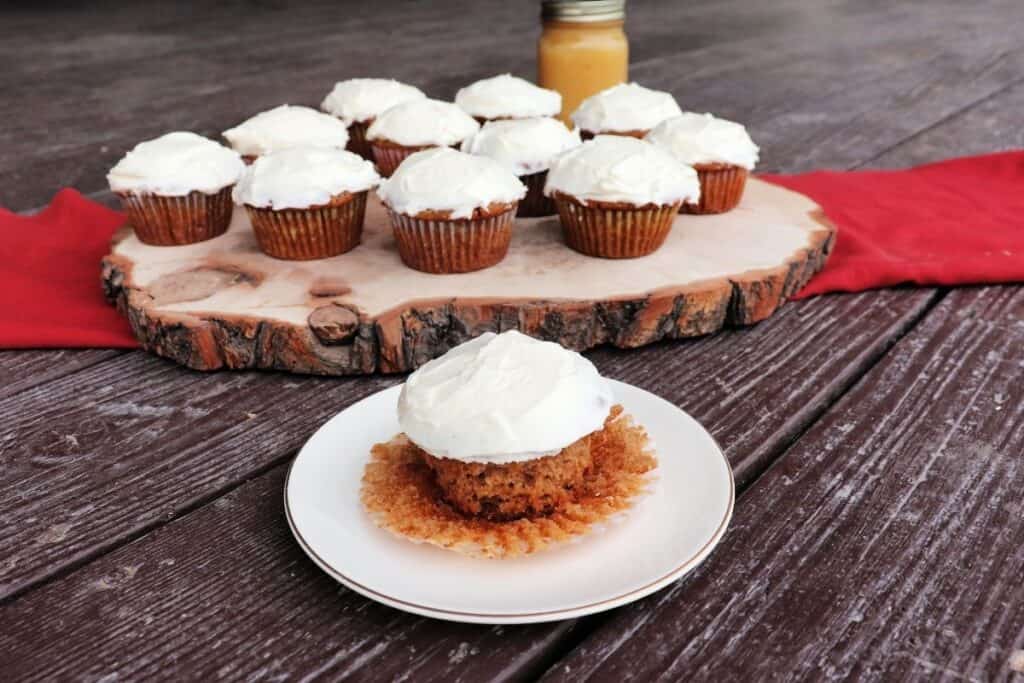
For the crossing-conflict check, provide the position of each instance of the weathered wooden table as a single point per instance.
(877, 439)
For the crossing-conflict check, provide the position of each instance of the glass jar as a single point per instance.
(582, 49)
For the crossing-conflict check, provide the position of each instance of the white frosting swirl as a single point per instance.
(423, 122)
(443, 179)
(284, 127)
(625, 107)
(508, 96)
(524, 145)
(362, 99)
(616, 168)
(302, 177)
(176, 164)
(702, 138)
(503, 398)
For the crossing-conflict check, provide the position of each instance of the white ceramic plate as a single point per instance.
(667, 533)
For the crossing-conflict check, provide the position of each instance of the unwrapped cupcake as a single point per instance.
(624, 109)
(617, 197)
(176, 189)
(451, 212)
(414, 126)
(307, 202)
(507, 97)
(528, 147)
(285, 127)
(359, 101)
(721, 151)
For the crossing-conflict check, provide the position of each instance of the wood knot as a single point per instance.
(334, 324)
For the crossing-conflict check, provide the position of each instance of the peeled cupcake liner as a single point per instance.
(431, 243)
(312, 233)
(614, 229)
(535, 203)
(170, 221)
(721, 188)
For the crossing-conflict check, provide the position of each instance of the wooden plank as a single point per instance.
(887, 544)
(25, 369)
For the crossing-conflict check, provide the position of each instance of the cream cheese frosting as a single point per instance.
(508, 96)
(285, 127)
(443, 179)
(503, 398)
(625, 107)
(702, 138)
(362, 99)
(423, 122)
(616, 168)
(176, 164)
(526, 146)
(302, 177)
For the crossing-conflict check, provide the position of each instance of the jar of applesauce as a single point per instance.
(582, 49)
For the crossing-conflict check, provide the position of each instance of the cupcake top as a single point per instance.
(443, 179)
(615, 168)
(423, 122)
(176, 164)
(503, 398)
(362, 99)
(625, 107)
(702, 139)
(524, 145)
(302, 177)
(508, 97)
(284, 127)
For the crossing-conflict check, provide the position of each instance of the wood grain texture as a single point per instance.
(887, 544)
(22, 370)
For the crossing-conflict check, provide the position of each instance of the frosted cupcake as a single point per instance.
(358, 101)
(176, 189)
(721, 151)
(507, 97)
(307, 202)
(617, 196)
(510, 444)
(286, 127)
(414, 126)
(527, 147)
(451, 212)
(624, 109)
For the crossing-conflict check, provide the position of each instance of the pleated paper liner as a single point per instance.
(590, 135)
(614, 229)
(721, 188)
(388, 155)
(357, 141)
(535, 204)
(400, 495)
(169, 221)
(431, 243)
(313, 233)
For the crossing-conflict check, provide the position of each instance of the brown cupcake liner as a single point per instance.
(613, 229)
(357, 141)
(388, 155)
(589, 135)
(444, 245)
(535, 204)
(721, 188)
(169, 221)
(313, 233)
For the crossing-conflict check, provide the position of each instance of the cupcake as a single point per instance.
(624, 109)
(176, 189)
(507, 97)
(285, 127)
(415, 126)
(617, 196)
(721, 151)
(510, 444)
(451, 212)
(527, 147)
(358, 101)
(306, 202)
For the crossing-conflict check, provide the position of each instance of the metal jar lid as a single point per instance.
(583, 10)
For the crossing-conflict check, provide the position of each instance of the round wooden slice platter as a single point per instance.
(224, 304)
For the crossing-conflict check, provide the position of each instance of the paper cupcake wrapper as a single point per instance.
(588, 135)
(721, 188)
(452, 246)
(305, 234)
(388, 157)
(535, 204)
(614, 232)
(357, 141)
(169, 221)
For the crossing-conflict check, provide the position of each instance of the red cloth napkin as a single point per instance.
(949, 223)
